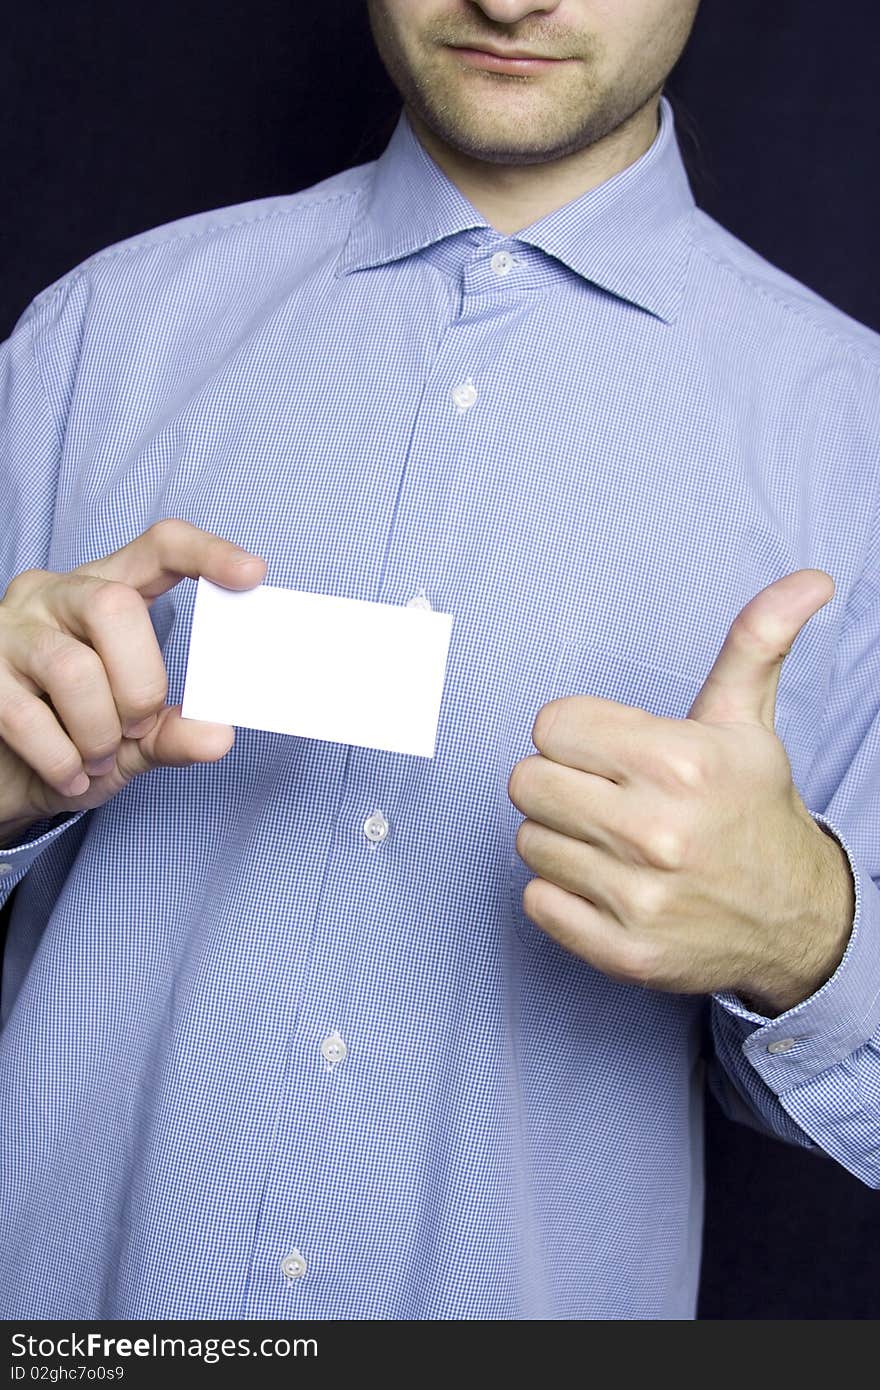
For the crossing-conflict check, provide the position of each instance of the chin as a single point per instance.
(499, 144)
(509, 134)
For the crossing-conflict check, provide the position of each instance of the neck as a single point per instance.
(513, 196)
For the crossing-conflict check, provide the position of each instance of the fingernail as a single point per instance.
(138, 730)
(105, 765)
(79, 785)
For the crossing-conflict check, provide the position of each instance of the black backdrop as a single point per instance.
(115, 118)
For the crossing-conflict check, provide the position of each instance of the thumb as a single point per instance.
(741, 686)
(175, 742)
(168, 550)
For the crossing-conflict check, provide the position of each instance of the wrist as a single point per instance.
(827, 926)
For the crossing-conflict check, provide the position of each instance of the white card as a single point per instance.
(339, 669)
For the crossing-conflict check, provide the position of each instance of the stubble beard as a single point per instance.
(461, 109)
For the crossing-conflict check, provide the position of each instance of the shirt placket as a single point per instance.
(377, 838)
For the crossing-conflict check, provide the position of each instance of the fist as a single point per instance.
(677, 853)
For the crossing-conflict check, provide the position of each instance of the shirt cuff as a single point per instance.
(15, 860)
(835, 1021)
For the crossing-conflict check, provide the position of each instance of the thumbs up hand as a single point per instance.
(677, 853)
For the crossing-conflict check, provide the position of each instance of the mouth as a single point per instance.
(515, 61)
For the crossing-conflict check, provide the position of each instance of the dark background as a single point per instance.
(115, 118)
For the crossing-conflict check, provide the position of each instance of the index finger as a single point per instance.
(171, 550)
(592, 734)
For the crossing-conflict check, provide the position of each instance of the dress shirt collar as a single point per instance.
(629, 235)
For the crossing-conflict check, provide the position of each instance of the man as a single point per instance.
(302, 1029)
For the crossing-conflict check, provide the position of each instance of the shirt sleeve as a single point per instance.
(811, 1075)
(15, 860)
(38, 365)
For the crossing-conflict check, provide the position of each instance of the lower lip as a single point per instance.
(476, 58)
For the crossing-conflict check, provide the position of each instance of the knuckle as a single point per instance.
(45, 643)
(695, 770)
(519, 779)
(523, 835)
(20, 714)
(110, 600)
(662, 846)
(638, 961)
(146, 700)
(686, 770)
(544, 721)
(513, 782)
(531, 898)
(769, 637)
(646, 900)
(59, 767)
(169, 531)
(23, 584)
(68, 663)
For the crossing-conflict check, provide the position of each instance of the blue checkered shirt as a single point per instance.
(279, 1040)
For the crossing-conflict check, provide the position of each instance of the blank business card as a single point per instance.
(319, 666)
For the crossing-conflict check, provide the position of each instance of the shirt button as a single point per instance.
(5, 868)
(502, 263)
(333, 1049)
(464, 395)
(419, 600)
(781, 1045)
(376, 826)
(293, 1265)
